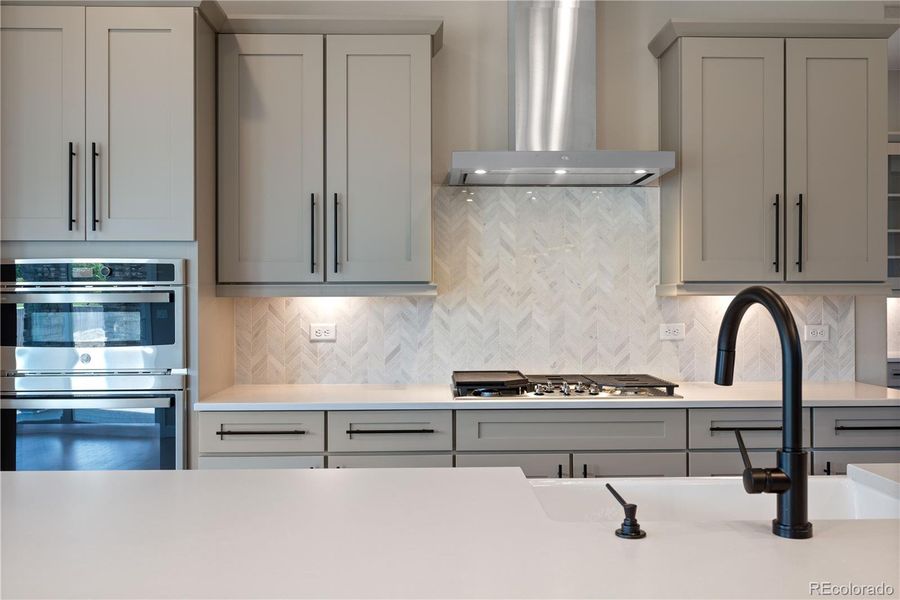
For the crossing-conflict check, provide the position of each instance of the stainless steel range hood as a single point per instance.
(553, 108)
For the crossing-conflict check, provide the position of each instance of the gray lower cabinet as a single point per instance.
(390, 431)
(870, 427)
(375, 461)
(713, 464)
(613, 429)
(549, 465)
(261, 461)
(261, 432)
(630, 464)
(834, 462)
(760, 427)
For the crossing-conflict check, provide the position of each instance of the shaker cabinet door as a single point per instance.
(378, 185)
(42, 122)
(270, 158)
(836, 105)
(140, 123)
(732, 159)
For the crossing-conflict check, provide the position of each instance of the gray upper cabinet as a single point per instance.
(271, 159)
(756, 123)
(324, 161)
(140, 116)
(118, 84)
(732, 153)
(378, 128)
(42, 112)
(836, 167)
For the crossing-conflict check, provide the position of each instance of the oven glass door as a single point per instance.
(91, 330)
(90, 434)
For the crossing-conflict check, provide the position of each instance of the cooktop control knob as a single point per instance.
(579, 387)
(593, 390)
(105, 271)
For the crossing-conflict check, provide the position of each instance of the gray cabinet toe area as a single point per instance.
(551, 443)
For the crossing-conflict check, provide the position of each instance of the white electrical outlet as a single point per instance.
(815, 333)
(671, 331)
(322, 332)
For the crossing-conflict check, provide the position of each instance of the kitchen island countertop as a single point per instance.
(389, 533)
(440, 397)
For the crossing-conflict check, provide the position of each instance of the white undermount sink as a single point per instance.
(862, 494)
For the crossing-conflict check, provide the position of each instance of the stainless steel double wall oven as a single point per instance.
(93, 364)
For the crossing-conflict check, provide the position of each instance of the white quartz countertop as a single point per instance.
(389, 533)
(400, 397)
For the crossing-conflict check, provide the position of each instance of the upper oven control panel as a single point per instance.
(92, 272)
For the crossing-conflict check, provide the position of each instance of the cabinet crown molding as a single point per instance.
(787, 28)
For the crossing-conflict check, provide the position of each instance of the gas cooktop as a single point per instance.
(513, 384)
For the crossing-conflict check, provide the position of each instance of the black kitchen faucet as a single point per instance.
(789, 479)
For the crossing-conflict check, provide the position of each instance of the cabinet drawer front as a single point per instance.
(834, 462)
(260, 462)
(390, 431)
(857, 427)
(630, 464)
(614, 429)
(264, 431)
(390, 461)
(893, 374)
(715, 464)
(760, 427)
(533, 465)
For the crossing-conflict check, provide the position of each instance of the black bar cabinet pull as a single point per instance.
(828, 467)
(71, 193)
(357, 431)
(800, 233)
(867, 428)
(559, 471)
(94, 155)
(223, 432)
(584, 470)
(777, 204)
(761, 428)
(312, 233)
(336, 259)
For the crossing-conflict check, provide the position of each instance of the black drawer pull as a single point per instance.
(94, 155)
(777, 205)
(223, 432)
(559, 472)
(745, 428)
(376, 431)
(584, 470)
(312, 233)
(71, 192)
(799, 261)
(867, 428)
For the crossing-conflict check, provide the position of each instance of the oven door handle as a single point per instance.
(86, 297)
(85, 402)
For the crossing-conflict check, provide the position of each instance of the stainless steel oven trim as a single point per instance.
(104, 399)
(95, 382)
(83, 359)
(178, 263)
(86, 296)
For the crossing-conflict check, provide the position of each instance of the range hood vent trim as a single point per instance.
(599, 168)
(552, 58)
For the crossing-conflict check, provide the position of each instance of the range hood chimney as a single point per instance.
(553, 108)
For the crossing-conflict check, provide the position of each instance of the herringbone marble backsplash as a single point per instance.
(559, 280)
